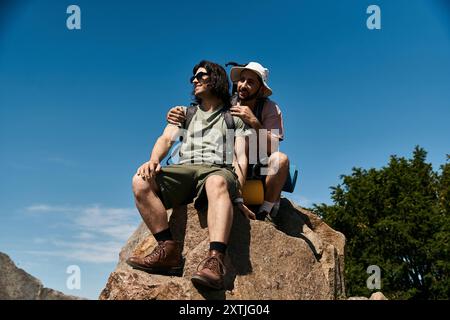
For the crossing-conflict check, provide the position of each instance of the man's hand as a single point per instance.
(149, 169)
(239, 201)
(246, 211)
(245, 113)
(176, 115)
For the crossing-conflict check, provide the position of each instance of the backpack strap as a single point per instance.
(190, 113)
(228, 145)
(234, 100)
(229, 119)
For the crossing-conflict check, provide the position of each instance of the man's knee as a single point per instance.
(141, 187)
(216, 185)
(279, 161)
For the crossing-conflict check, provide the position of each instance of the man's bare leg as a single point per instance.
(220, 209)
(278, 170)
(279, 167)
(149, 205)
(166, 257)
(220, 219)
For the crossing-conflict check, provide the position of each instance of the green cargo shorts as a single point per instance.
(182, 184)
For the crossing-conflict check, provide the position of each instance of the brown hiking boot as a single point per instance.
(212, 270)
(164, 259)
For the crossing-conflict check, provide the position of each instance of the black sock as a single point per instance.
(163, 235)
(261, 216)
(218, 246)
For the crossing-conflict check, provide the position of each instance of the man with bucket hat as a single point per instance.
(252, 105)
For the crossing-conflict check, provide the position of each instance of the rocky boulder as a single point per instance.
(375, 296)
(16, 284)
(302, 259)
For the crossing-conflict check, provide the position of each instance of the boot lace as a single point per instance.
(214, 264)
(157, 254)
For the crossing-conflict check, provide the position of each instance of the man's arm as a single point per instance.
(272, 139)
(240, 163)
(160, 150)
(164, 143)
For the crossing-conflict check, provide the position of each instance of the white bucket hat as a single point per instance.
(263, 73)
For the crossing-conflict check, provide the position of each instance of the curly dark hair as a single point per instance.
(218, 80)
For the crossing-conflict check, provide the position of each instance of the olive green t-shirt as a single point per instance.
(203, 142)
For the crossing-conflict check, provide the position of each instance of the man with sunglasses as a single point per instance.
(252, 105)
(203, 175)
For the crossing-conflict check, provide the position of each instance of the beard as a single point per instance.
(249, 96)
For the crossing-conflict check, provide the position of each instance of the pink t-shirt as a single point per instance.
(271, 118)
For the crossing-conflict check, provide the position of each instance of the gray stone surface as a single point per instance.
(16, 284)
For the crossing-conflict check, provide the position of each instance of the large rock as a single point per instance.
(375, 296)
(16, 284)
(304, 259)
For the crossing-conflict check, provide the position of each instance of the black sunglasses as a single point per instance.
(198, 76)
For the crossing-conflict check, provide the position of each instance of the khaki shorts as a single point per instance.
(182, 184)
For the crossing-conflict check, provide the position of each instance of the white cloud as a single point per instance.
(85, 236)
(100, 232)
(106, 253)
(119, 232)
(44, 208)
(89, 251)
(117, 223)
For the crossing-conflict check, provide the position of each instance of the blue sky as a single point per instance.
(80, 110)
